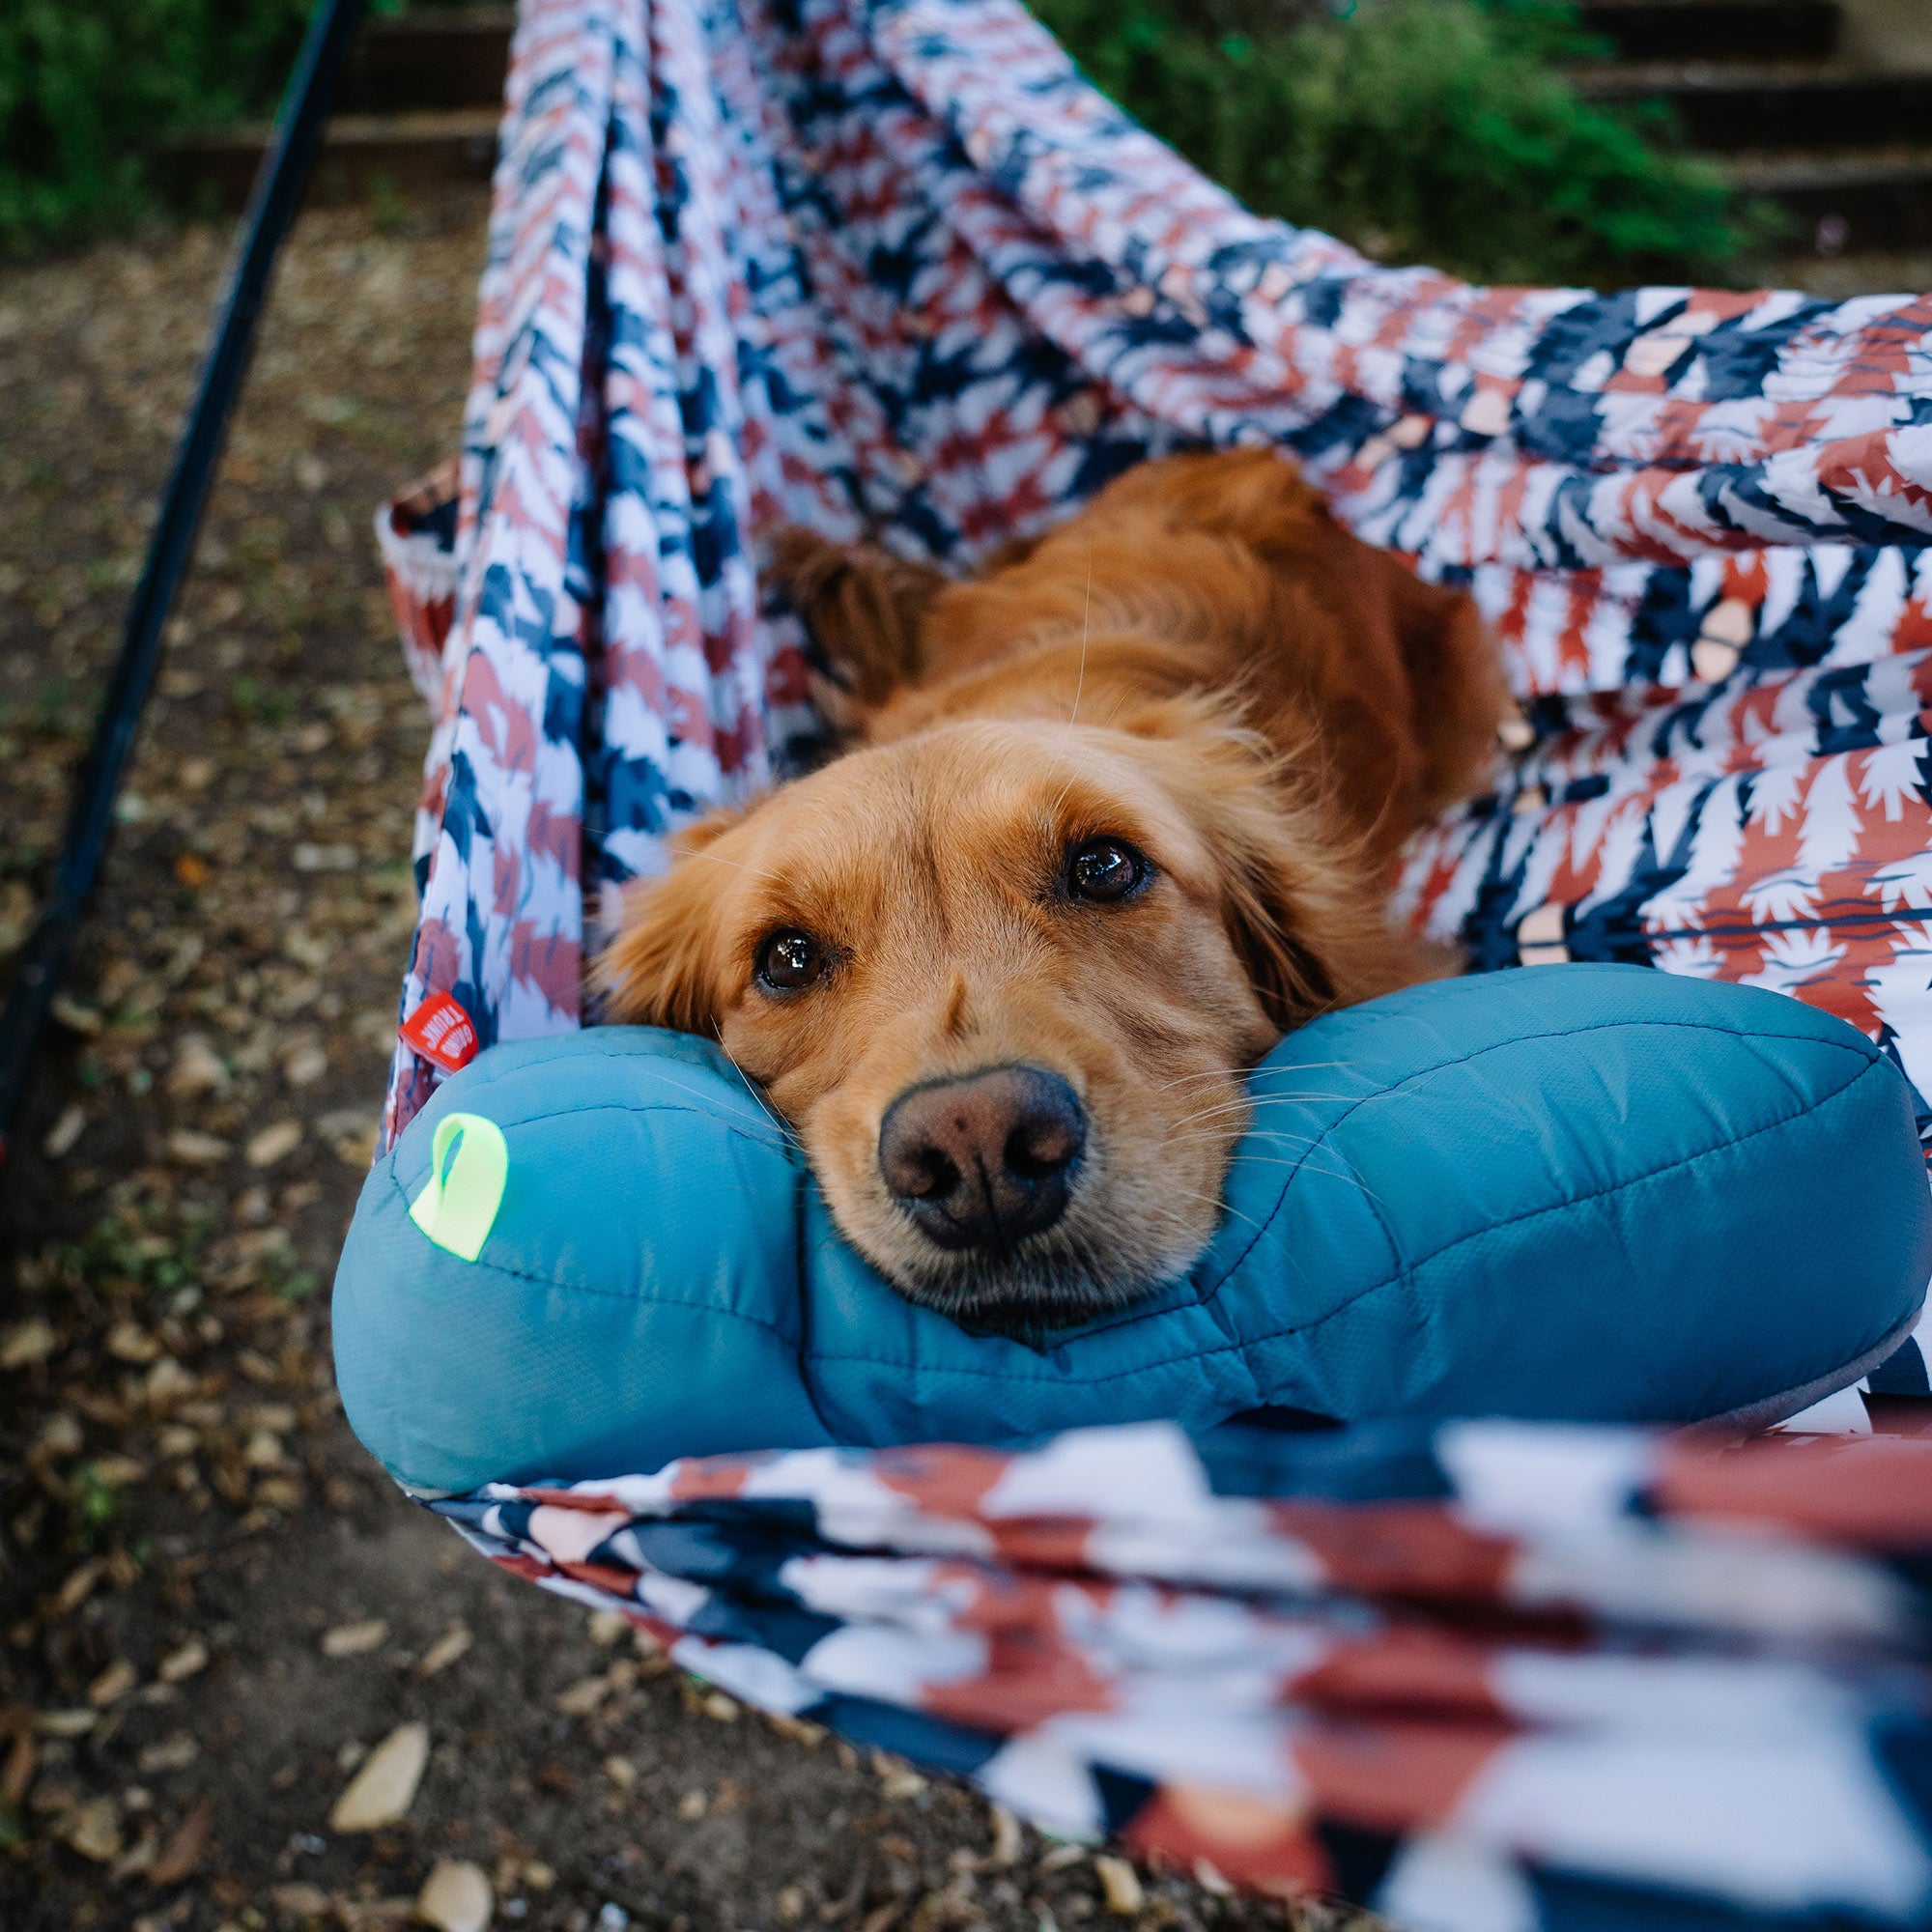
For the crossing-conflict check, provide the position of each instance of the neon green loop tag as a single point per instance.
(458, 1204)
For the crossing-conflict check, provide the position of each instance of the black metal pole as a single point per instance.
(272, 205)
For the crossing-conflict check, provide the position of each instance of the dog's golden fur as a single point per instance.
(1201, 665)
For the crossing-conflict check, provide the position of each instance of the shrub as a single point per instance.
(1437, 131)
(89, 88)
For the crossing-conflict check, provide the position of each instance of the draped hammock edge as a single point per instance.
(894, 268)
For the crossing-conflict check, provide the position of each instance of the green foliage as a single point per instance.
(87, 87)
(90, 88)
(1434, 130)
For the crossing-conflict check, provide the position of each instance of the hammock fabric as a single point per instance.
(891, 268)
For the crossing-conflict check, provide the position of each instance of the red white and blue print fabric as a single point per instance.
(893, 268)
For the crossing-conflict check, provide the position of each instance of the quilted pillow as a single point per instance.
(1581, 1192)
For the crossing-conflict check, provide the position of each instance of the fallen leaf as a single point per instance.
(175, 1753)
(75, 1017)
(61, 1437)
(113, 1683)
(453, 1643)
(26, 1343)
(274, 1144)
(455, 1897)
(354, 1640)
(607, 1627)
(184, 1850)
(183, 1660)
(189, 1149)
(64, 1131)
(167, 1382)
(93, 1830)
(129, 1341)
(1008, 1842)
(75, 1723)
(382, 1790)
(1120, 1885)
(305, 1066)
(582, 1697)
(197, 1069)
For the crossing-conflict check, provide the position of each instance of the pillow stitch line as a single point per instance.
(1388, 1282)
(611, 1294)
(1864, 1051)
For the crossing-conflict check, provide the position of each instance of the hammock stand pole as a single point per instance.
(272, 202)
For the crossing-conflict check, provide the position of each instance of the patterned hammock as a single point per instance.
(890, 267)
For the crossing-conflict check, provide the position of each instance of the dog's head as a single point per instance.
(1004, 978)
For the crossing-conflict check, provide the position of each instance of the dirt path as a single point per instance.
(210, 1601)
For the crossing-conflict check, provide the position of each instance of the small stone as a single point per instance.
(113, 1683)
(1120, 1885)
(716, 1705)
(538, 1876)
(385, 1787)
(186, 1659)
(262, 1450)
(455, 1897)
(453, 1643)
(354, 1640)
(274, 1144)
(26, 1343)
(896, 1783)
(621, 1772)
(693, 1805)
(187, 1148)
(789, 1904)
(93, 1830)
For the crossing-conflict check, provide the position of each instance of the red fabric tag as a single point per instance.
(441, 1031)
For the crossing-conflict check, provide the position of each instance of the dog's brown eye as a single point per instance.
(1105, 870)
(789, 961)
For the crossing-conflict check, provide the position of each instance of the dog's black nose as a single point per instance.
(983, 1159)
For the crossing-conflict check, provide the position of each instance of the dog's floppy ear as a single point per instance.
(1303, 905)
(664, 968)
(861, 605)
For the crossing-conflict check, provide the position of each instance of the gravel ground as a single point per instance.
(214, 1609)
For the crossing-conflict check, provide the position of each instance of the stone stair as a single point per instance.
(418, 106)
(1775, 91)
(1767, 87)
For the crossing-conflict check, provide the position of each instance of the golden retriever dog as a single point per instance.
(1115, 816)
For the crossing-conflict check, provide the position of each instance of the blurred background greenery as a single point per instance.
(1438, 130)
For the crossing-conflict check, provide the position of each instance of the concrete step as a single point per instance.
(1681, 30)
(359, 152)
(425, 62)
(1728, 106)
(1848, 200)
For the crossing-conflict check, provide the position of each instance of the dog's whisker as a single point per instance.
(736, 864)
